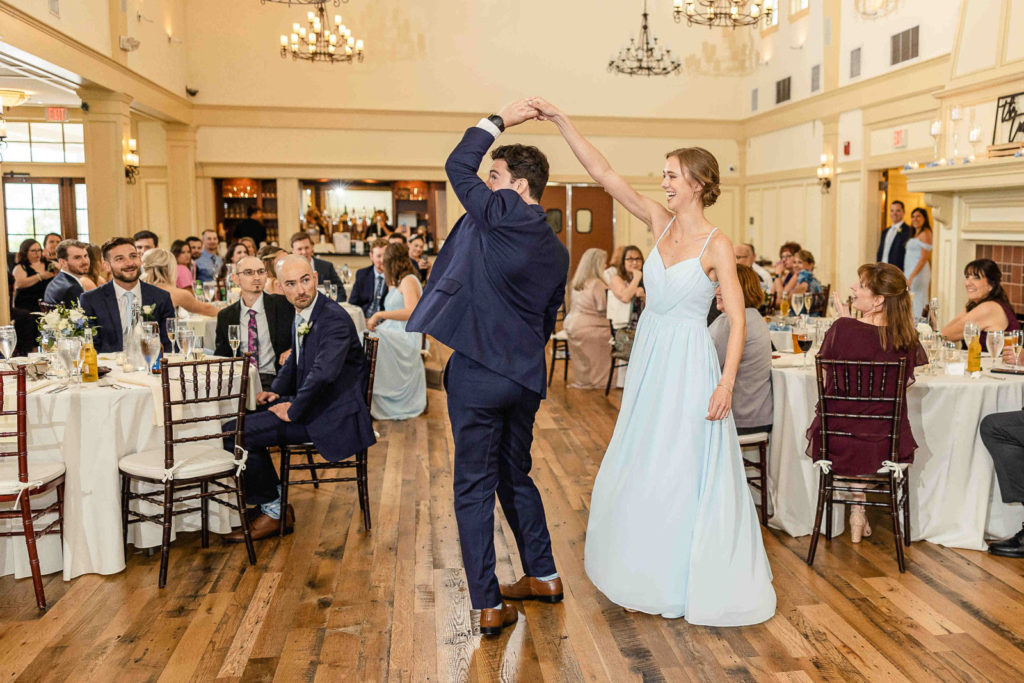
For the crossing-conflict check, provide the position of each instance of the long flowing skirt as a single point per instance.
(400, 383)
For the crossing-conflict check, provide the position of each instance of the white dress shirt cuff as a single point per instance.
(489, 127)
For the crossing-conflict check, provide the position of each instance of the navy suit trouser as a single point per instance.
(262, 430)
(492, 422)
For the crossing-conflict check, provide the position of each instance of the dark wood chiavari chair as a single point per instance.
(620, 359)
(358, 463)
(758, 480)
(817, 303)
(843, 386)
(559, 352)
(186, 468)
(21, 480)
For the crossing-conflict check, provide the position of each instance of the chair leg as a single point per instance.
(611, 373)
(363, 488)
(125, 484)
(240, 496)
(830, 502)
(565, 366)
(762, 475)
(33, 554)
(906, 507)
(309, 459)
(895, 513)
(204, 515)
(817, 520)
(60, 511)
(165, 541)
(554, 355)
(286, 461)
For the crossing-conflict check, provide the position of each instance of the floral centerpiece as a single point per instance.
(63, 320)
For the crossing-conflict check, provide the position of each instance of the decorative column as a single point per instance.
(107, 125)
(181, 182)
(289, 207)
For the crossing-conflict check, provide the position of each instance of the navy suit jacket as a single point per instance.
(500, 278)
(101, 305)
(325, 272)
(63, 289)
(362, 291)
(328, 381)
(898, 250)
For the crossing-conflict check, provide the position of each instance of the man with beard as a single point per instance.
(66, 287)
(110, 305)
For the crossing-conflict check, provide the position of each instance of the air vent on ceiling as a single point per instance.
(816, 78)
(855, 62)
(782, 90)
(904, 45)
(753, 100)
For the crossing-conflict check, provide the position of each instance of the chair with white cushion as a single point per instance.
(559, 352)
(21, 479)
(194, 467)
(759, 480)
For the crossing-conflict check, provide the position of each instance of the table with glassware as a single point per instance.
(90, 427)
(954, 496)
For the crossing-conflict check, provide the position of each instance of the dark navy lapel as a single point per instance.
(318, 306)
(113, 314)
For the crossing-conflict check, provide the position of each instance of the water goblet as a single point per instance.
(994, 341)
(150, 345)
(797, 301)
(8, 342)
(209, 290)
(186, 340)
(69, 351)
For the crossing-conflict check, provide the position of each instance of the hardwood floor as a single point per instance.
(332, 603)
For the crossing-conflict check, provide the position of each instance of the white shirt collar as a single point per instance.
(136, 290)
(304, 314)
(70, 274)
(256, 306)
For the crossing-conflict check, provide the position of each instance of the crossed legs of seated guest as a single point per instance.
(1003, 435)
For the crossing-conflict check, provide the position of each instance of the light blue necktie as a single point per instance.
(129, 301)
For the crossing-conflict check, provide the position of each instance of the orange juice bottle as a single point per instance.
(90, 369)
(974, 354)
(784, 308)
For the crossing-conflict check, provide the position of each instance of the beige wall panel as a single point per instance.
(1014, 48)
(851, 129)
(83, 20)
(156, 207)
(795, 147)
(160, 59)
(152, 143)
(816, 235)
(791, 218)
(979, 47)
(851, 242)
(289, 207)
(724, 213)
(771, 232)
(918, 138)
(754, 232)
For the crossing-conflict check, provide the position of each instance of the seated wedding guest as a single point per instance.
(397, 237)
(747, 256)
(264, 320)
(250, 245)
(236, 252)
(32, 273)
(370, 288)
(428, 239)
(885, 332)
(50, 243)
(1003, 436)
(185, 278)
(66, 287)
(209, 262)
(99, 271)
(806, 283)
(302, 245)
(195, 245)
(612, 266)
(785, 273)
(587, 323)
(752, 392)
(987, 303)
(417, 245)
(251, 228)
(627, 287)
(317, 396)
(145, 240)
(159, 268)
(111, 304)
(271, 255)
(400, 383)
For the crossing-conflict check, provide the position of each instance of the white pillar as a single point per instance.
(107, 125)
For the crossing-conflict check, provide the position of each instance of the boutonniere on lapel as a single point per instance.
(304, 329)
(148, 311)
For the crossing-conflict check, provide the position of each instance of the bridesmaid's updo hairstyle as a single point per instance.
(888, 281)
(396, 263)
(702, 167)
(988, 269)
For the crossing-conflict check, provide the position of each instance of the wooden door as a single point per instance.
(553, 201)
(592, 226)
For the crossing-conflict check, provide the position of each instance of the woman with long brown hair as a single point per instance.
(885, 332)
(32, 273)
(987, 303)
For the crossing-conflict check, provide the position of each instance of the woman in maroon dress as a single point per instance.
(987, 303)
(885, 332)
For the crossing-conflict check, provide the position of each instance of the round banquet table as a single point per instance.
(90, 428)
(954, 497)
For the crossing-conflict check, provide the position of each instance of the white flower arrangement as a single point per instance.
(923, 328)
(303, 329)
(65, 320)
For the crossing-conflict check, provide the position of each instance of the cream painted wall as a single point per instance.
(1015, 29)
(795, 147)
(783, 212)
(851, 129)
(87, 21)
(789, 51)
(160, 60)
(981, 19)
(919, 143)
(850, 239)
(152, 143)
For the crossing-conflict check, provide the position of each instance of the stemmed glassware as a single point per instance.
(8, 342)
(186, 341)
(994, 341)
(209, 290)
(933, 312)
(172, 331)
(150, 345)
(803, 340)
(1014, 338)
(233, 339)
(797, 300)
(971, 330)
(69, 350)
(346, 274)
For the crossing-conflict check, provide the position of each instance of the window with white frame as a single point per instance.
(44, 142)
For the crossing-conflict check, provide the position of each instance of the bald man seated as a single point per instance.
(317, 396)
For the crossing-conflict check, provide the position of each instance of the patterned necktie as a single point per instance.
(254, 340)
(129, 301)
(378, 290)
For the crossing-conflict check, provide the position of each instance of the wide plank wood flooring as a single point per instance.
(333, 603)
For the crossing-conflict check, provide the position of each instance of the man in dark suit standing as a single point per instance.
(892, 247)
(264, 320)
(65, 288)
(302, 245)
(493, 295)
(370, 286)
(252, 226)
(111, 304)
(317, 396)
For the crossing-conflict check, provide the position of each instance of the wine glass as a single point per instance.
(971, 330)
(797, 300)
(150, 345)
(172, 331)
(209, 289)
(151, 328)
(1015, 338)
(933, 312)
(804, 341)
(8, 342)
(346, 274)
(994, 341)
(233, 338)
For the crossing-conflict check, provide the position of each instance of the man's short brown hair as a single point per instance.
(62, 247)
(527, 162)
(115, 242)
(379, 243)
(298, 237)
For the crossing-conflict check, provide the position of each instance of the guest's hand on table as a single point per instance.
(281, 410)
(284, 356)
(1008, 356)
(265, 397)
(842, 310)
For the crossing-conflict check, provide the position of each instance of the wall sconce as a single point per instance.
(824, 174)
(131, 162)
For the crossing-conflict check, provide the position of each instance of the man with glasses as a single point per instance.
(264, 321)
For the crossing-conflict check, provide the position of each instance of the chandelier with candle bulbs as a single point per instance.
(730, 13)
(321, 39)
(643, 56)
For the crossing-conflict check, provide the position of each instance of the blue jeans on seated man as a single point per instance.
(262, 483)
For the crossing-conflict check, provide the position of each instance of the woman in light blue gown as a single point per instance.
(917, 262)
(400, 383)
(673, 529)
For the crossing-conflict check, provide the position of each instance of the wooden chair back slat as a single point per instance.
(370, 351)
(20, 414)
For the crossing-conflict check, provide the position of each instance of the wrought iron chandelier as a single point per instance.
(337, 3)
(730, 13)
(317, 42)
(643, 56)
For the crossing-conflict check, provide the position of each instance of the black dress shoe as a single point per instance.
(1011, 547)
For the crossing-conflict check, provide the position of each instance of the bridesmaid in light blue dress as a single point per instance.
(917, 262)
(673, 529)
(400, 383)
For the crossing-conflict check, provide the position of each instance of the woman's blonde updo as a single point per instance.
(157, 266)
(702, 167)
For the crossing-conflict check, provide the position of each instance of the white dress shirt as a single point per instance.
(890, 237)
(766, 278)
(122, 307)
(266, 358)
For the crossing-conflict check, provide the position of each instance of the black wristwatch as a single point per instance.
(497, 121)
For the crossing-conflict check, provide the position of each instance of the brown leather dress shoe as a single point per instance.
(263, 527)
(529, 588)
(493, 620)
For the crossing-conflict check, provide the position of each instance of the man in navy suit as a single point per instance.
(65, 288)
(892, 247)
(318, 396)
(111, 304)
(303, 246)
(370, 287)
(492, 296)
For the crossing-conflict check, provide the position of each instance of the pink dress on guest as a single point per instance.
(185, 279)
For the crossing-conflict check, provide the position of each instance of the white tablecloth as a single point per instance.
(954, 496)
(357, 316)
(90, 428)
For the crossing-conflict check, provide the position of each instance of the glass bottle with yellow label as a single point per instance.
(90, 369)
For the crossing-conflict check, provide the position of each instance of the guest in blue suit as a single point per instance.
(371, 286)
(65, 288)
(493, 295)
(317, 396)
(110, 304)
